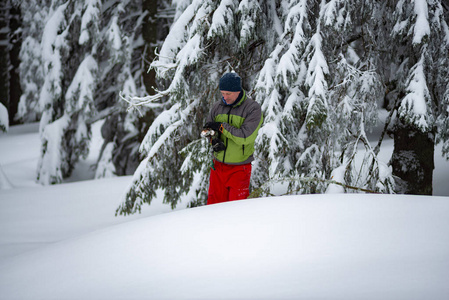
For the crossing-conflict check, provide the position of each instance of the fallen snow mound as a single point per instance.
(302, 247)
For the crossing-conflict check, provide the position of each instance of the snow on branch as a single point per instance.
(249, 10)
(51, 168)
(161, 134)
(413, 19)
(264, 189)
(52, 43)
(91, 13)
(165, 126)
(318, 68)
(289, 62)
(181, 49)
(147, 101)
(422, 27)
(222, 19)
(414, 105)
(176, 39)
(80, 93)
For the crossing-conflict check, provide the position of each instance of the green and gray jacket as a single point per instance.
(241, 122)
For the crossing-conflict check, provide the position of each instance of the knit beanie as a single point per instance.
(230, 82)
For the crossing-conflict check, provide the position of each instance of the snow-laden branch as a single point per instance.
(176, 54)
(162, 66)
(147, 101)
(414, 106)
(264, 189)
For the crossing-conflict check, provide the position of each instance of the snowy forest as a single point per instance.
(322, 70)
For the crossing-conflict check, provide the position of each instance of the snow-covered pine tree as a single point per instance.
(203, 43)
(327, 89)
(31, 69)
(90, 52)
(66, 98)
(421, 57)
(367, 60)
(320, 70)
(293, 77)
(131, 32)
(281, 71)
(116, 50)
(10, 43)
(443, 117)
(4, 53)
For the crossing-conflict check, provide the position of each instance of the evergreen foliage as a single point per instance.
(320, 70)
(31, 69)
(5, 63)
(77, 57)
(422, 63)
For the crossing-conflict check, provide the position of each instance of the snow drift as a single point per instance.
(345, 246)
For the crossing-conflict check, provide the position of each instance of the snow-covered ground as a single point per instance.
(64, 241)
(33, 216)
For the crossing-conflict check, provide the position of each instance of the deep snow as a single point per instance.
(297, 247)
(64, 242)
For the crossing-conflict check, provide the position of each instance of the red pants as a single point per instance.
(228, 182)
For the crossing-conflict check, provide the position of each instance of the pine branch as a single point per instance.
(104, 114)
(351, 39)
(148, 101)
(259, 191)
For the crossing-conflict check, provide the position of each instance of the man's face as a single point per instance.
(230, 97)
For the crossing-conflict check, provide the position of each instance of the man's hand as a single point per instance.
(218, 145)
(216, 126)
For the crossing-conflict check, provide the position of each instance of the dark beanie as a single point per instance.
(230, 82)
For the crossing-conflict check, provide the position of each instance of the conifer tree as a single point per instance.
(66, 98)
(10, 42)
(116, 51)
(4, 53)
(422, 85)
(199, 48)
(77, 57)
(126, 51)
(325, 103)
(31, 69)
(320, 70)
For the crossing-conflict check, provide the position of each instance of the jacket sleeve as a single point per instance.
(247, 133)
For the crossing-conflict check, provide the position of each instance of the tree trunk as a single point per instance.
(15, 90)
(413, 159)
(4, 54)
(149, 33)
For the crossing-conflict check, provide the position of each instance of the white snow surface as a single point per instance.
(64, 242)
(4, 118)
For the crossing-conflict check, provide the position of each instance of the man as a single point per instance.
(236, 119)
